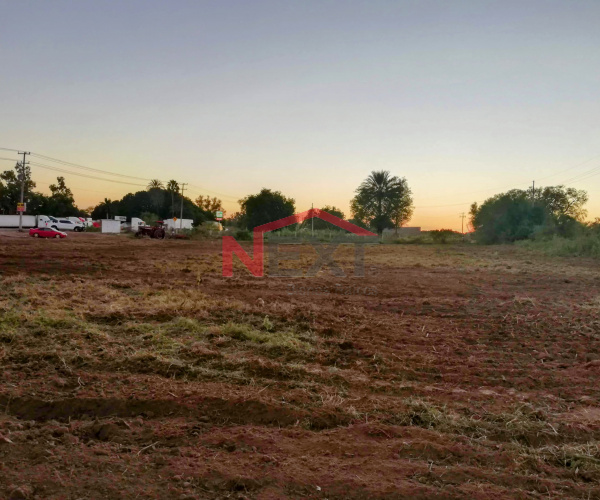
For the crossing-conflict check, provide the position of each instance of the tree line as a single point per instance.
(159, 202)
(519, 214)
(154, 203)
(60, 201)
(382, 201)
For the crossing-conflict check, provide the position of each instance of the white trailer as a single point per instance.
(111, 226)
(178, 224)
(29, 221)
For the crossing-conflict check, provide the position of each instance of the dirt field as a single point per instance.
(133, 369)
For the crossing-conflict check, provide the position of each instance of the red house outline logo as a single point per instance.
(255, 264)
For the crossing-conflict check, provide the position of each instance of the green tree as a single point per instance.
(10, 182)
(508, 217)
(210, 204)
(152, 201)
(518, 214)
(104, 210)
(234, 220)
(266, 206)
(158, 195)
(404, 209)
(61, 189)
(473, 209)
(442, 236)
(172, 186)
(321, 224)
(149, 218)
(563, 202)
(60, 203)
(382, 201)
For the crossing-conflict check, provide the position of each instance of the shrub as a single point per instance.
(442, 236)
(243, 235)
(584, 245)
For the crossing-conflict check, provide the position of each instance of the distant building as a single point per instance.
(403, 231)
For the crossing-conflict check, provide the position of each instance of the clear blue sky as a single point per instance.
(463, 98)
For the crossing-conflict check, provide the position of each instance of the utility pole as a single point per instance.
(533, 192)
(462, 216)
(22, 188)
(181, 214)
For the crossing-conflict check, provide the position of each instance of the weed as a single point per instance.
(268, 325)
(285, 340)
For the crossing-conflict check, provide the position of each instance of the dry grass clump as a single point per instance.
(580, 458)
(523, 424)
(421, 413)
(279, 340)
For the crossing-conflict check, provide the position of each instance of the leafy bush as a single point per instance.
(243, 235)
(149, 218)
(585, 245)
(264, 207)
(442, 236)
(437, 236)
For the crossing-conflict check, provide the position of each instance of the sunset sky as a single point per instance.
(465, 98)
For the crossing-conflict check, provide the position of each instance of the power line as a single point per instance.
(582, 175)
(571, 168)
(90, 169)
(577, 178)
(106, 172)
(586, 178)
(512, 185)
(57, 169)
(76, 165)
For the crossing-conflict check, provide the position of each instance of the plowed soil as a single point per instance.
(133, 369)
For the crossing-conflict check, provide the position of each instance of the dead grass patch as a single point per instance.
(278, 340)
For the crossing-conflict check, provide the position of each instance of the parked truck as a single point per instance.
(29, 221)
(66, 224)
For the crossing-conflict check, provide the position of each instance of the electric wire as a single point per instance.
(57, 169)
(90, 169)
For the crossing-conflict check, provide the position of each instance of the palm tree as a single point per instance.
(106, 206)
(380, 199)
(155, 184)
(173, 187)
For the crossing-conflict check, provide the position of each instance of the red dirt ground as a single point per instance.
(133, 369)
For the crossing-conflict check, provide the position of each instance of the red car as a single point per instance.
(46, 232)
